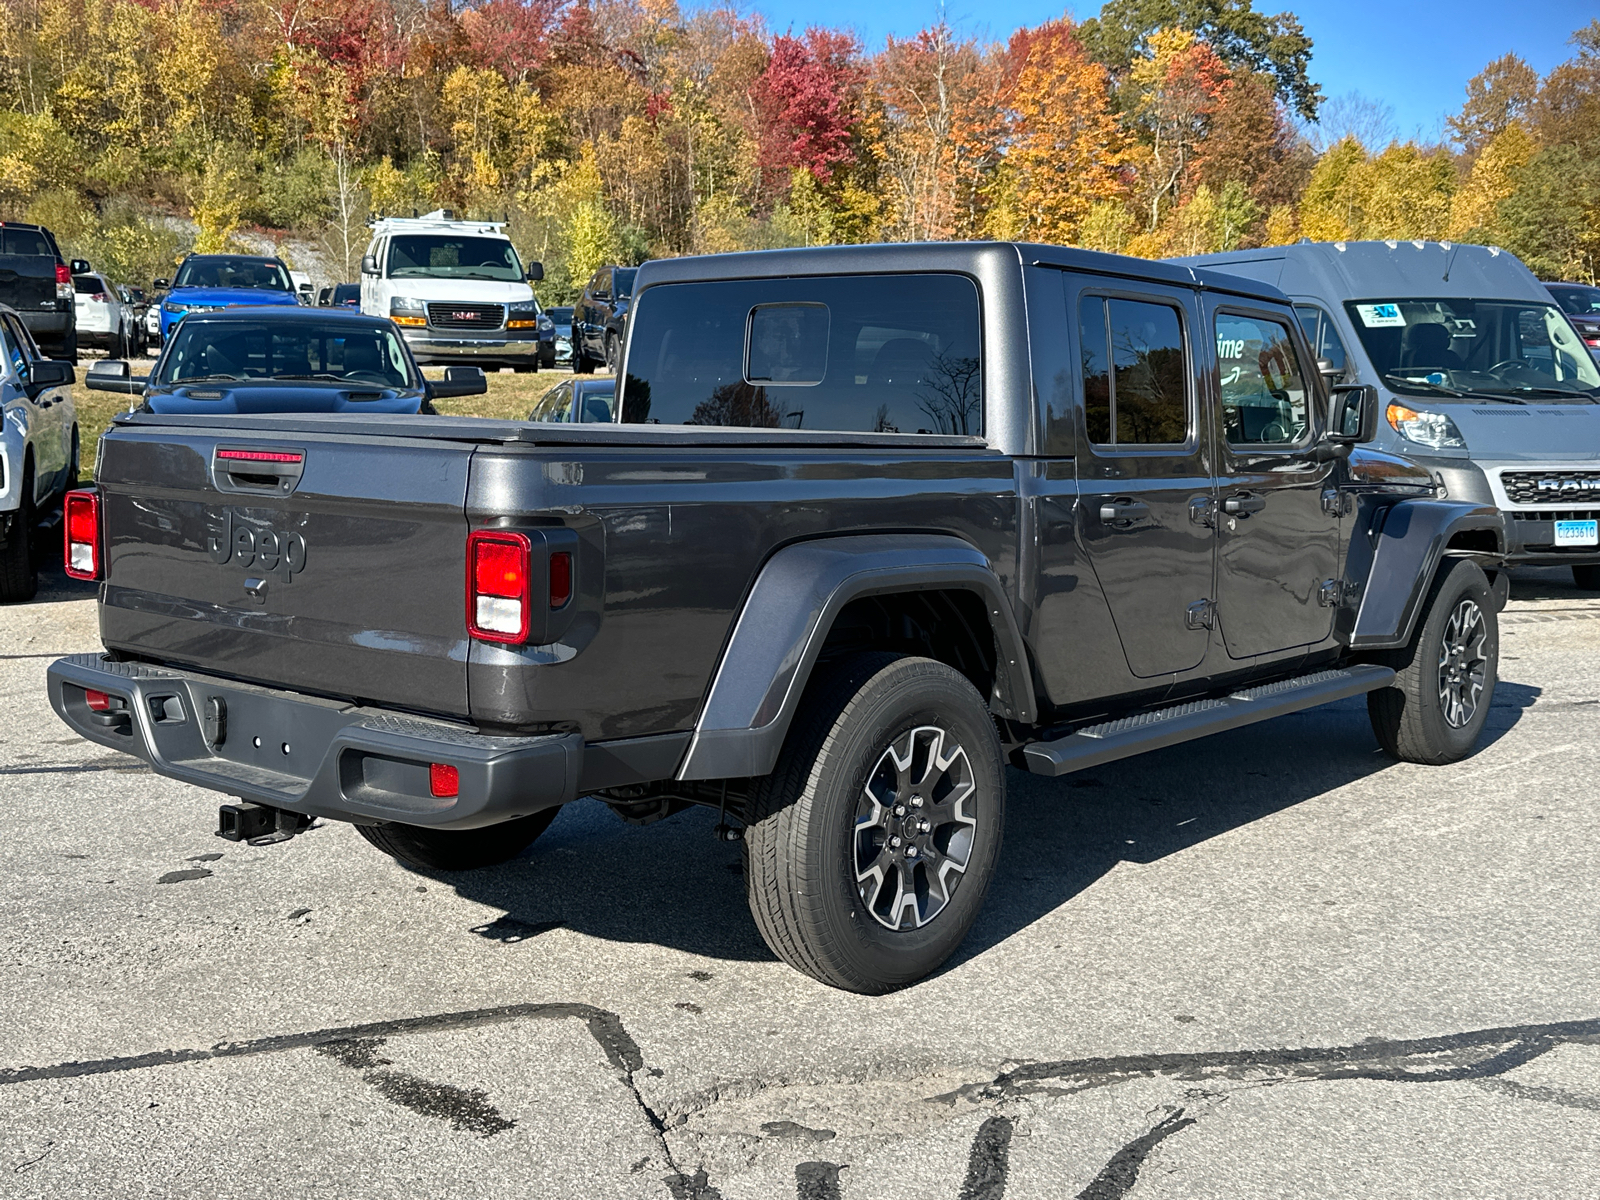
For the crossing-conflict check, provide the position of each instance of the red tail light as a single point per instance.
(444, 780)
(81, 554)
(560, 578)
(498, 573)
(63, 274)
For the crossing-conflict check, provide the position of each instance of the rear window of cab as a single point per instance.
(861, 353)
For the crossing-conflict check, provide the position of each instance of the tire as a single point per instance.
(1587, 577)
(458, 849)
(818, 859)
(69, 349)
(1426, 717)
(613, 352)
(19, 570)
(580, 362)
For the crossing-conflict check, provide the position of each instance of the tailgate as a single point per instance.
(326, 563)
(28, 281)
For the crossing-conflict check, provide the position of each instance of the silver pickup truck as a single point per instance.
(1482, 378)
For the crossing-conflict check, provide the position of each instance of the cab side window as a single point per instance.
(1264, 397)
(1323, 337)
(1135, 377)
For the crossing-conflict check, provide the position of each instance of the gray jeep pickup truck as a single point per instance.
(873, 524)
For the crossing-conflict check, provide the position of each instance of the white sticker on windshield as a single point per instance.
(1380, 316)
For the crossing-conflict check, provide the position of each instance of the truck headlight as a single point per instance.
(1432, 429)
(406, 304)
(173, 307)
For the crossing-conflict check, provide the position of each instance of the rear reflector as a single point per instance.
(560, 578)
(444, 780)
(82, 534)
(498, 573)
(261, 456)
(97, 701)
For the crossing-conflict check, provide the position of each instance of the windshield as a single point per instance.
(1579, 301)
(1506, 348)
(230, 272)
(334, 352)
(445, 256)
(622, 281)
(561, 316)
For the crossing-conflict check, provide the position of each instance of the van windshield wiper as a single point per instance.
(324, 375)
(1426, 383)
(209, 379)
(1452, 392)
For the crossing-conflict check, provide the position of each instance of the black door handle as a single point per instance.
(1243, 505)
(1124, 510)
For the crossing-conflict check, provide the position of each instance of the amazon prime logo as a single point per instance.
(258, 546)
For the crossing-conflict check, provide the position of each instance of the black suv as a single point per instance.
(600, 319)
(37, 282)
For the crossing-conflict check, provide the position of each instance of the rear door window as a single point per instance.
(1135, 374)
(866, 353)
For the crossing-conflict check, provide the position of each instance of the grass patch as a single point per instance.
(510, 397)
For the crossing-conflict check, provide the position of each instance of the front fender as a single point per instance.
(787, 617)
(1394, 561)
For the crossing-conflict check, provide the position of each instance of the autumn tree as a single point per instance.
(1065, 146)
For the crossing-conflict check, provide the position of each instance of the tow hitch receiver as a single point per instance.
(259, 824)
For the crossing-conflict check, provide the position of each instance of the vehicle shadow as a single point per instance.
(673, 884)
(1547, 583)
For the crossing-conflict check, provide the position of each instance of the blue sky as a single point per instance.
(1414, 56)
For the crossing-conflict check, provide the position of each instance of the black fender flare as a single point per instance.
(1406, 550)
(786, 619)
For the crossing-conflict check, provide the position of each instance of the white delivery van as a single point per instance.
(458, 291)
(1481, 377)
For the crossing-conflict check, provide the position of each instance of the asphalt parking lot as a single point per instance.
(1269, 964)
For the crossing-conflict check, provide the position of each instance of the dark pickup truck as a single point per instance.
(37, 282)
(874, 523)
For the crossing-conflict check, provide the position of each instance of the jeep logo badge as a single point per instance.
(273, 553)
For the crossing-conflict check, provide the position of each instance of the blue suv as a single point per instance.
(206, 282)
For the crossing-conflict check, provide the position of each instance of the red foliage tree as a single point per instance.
(805, 104)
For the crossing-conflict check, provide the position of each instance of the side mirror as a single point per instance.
(80, 266)
(114, 375)
(459, 381)
(161, 285)
(1327, 370)
(305, 287)
(1353, 414)
(48, 373)
(369, 265)
(535, 272)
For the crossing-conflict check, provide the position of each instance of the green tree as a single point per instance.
(1552, 220)
(1276, 45)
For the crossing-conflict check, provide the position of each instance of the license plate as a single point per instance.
(1578, 533)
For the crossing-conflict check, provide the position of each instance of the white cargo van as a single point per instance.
(1481, 377)
(458, 291)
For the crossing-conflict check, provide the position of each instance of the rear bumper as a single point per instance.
(313, 756)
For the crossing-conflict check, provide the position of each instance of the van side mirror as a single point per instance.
(161, 285)
(369, 265)
(1353, 414)
(80, 266)
(535, 272)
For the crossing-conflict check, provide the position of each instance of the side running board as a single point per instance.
(1097, 744)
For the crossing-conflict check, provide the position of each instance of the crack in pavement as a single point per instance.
(1470, 1055)
(621, 1051)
